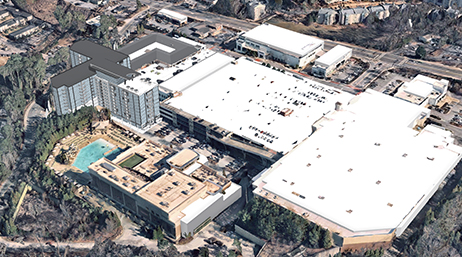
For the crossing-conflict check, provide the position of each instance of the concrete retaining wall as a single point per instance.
(244, 233)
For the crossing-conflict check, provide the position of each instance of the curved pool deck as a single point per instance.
(93, 152)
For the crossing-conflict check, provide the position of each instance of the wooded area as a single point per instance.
(395, 31)
(264, 219)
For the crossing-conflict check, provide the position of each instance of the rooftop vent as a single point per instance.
(378, 182)
(308, 165)
(319, 156)
(164, 204)
(159, 194)
(341, 136)
(176, 183)
(185, 192)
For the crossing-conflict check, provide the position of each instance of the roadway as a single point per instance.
(397, 60)
(236, 24)
(360, 52)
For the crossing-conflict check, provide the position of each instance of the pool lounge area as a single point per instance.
(95, 151)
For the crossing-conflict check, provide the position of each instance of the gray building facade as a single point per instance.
(98, 77)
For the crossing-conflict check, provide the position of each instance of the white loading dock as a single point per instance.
(202, 211)
(327, 63)
(283, 45)
(365, 173)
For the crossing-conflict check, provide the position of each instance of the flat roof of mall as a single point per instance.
(197, 72)
(365, 168)
(283, 39)
(333, 56)
(250, 100)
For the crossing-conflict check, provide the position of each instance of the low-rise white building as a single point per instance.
(365, 173)
(255, 10)
(283, 45)
(327, 63)
(423, 90)
(173, 16)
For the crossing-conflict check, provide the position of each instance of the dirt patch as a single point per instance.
(42, 9)
(3, 60)
(67, 41)
(278, 247)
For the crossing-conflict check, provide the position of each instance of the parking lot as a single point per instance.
(388, 82)
(349, 72)
(190, 31)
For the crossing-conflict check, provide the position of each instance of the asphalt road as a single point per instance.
(393, 59)
(241, 25)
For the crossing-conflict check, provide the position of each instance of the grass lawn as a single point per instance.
(132, 161)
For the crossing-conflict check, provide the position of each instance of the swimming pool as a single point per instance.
(93, 152)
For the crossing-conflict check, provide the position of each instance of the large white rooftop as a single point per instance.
(333, 56)
(250, 99)
(365, 169)
(197, 72)
(422, 85)
(283, 39)
(173, 15)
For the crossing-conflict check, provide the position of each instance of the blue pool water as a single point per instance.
(93, 152)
